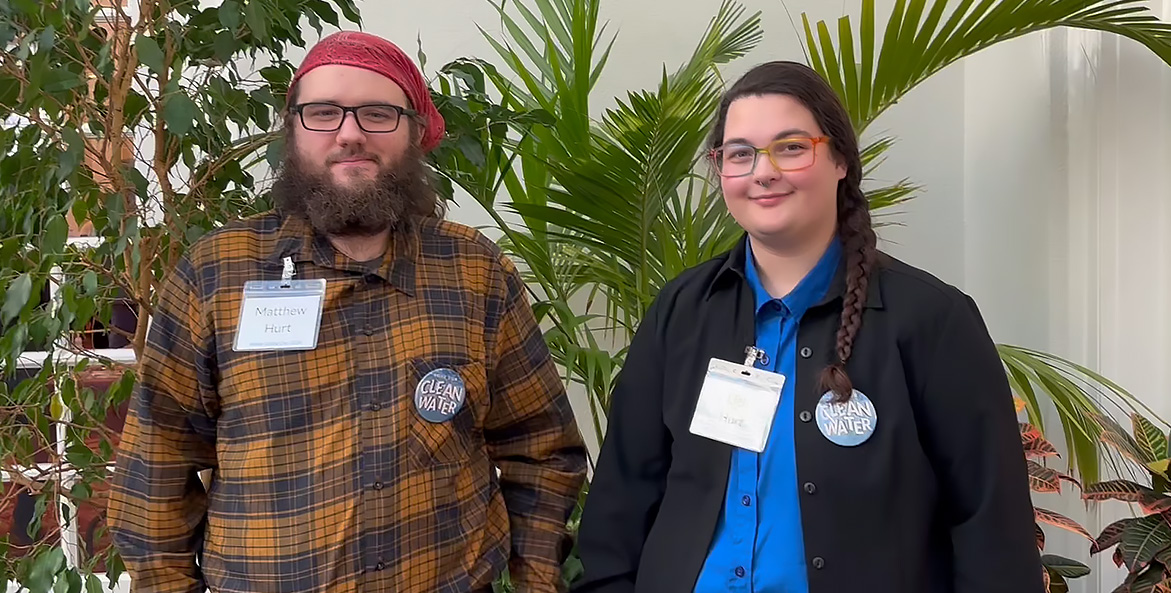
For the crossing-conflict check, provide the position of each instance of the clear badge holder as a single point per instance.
(737, 403)
(280, 315)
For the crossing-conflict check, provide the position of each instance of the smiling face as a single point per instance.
(351, 156)
(351, 181)
(779, 207)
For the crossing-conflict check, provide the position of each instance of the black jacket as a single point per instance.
(936, 501)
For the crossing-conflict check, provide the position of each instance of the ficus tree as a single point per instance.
(143, 126)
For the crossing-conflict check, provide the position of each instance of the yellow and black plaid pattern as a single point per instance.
(326, 478)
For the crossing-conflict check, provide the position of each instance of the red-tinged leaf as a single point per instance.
(1118, 557)
(1059, 520)
(1123, 490)
(1034, 442)
(1045, 576)
(1111, 535)
(1043, 479)
(1040, 537)
(1123, 443)
(1070, 479)
(1161, 504)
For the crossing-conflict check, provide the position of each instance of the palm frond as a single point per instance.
(871, 74)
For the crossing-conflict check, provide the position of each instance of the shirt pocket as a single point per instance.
(456, 440)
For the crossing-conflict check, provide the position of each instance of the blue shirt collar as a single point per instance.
(808, 292)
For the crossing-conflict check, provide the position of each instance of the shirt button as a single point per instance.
(378, 485)
(806, 352)
(375, 406)
(379, 566)
(746, 501)
(818, 562)
(739, 571)
(368, 330)
(806, 416)
(810, 487)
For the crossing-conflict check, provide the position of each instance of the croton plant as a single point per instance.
(1045, 479)
(1142, 544)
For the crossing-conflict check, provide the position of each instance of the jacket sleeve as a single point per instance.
(157, 504)
(631, 474)
(973, 439)
(533, 438)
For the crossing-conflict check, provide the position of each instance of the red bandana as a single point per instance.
(363, 50)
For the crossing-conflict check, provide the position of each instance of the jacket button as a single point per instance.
(818, 562)
(739, 571)
(810, 487)
(806, 352)
(805, 416)
(746, 500)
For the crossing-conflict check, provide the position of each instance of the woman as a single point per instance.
(891, 463)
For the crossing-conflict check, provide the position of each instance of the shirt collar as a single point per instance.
(808, 291)
(733, 269)
(297, 240)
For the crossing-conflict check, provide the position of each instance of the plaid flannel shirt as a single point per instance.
(326, 478)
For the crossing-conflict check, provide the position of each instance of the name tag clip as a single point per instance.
(288, 272)
(752, 355)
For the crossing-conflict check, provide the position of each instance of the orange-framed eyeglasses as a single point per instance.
(792, 153)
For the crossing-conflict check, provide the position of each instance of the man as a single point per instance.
(351, 370)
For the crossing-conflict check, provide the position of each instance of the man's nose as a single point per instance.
(350, 132)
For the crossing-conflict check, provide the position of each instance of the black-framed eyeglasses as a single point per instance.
(372, 119)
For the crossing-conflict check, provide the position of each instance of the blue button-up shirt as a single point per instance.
(758, 544)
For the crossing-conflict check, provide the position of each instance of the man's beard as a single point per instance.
(365, 208)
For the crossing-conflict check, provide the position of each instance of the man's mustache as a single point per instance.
(353, 155)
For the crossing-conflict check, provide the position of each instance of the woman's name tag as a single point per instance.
(737, 404)
(280, 315)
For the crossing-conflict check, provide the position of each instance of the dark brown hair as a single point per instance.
(853, 226)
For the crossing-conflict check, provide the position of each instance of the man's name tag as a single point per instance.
(276, 317)
(737, 404)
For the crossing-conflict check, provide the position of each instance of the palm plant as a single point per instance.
(920, 39)
(648, 215)
(610, 210)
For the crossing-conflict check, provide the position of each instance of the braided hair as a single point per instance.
(854, 227)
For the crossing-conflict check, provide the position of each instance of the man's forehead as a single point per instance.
(348, 84)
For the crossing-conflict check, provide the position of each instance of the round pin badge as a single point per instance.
(439, 395)
(849, 423)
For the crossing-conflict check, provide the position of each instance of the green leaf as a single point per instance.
(275, 152)
(46, 40)
(56, 233)
(149, 53)
(179, 113)
(16, 296)
(230, 13)
(1160, 467)
(225, 46)
(135, 107)
(73, 155)
(1149, 438)
(1070, 569)
(44, 569)
(89, 281)
(1143, 539)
